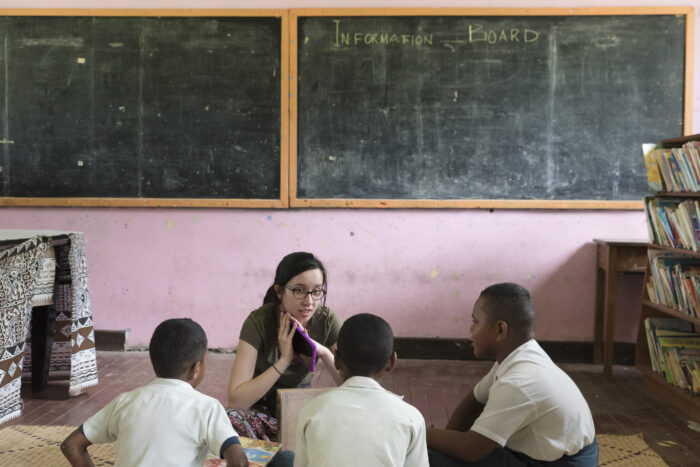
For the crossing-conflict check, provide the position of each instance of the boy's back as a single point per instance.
(360, 423)
(166, 422)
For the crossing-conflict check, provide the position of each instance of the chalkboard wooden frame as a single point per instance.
(281, 202)
(295, 14)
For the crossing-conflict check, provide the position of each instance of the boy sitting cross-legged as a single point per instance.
(360, 423)
(166, 422)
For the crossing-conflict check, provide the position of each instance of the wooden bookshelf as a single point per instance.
(680, 398)
(695, 254)
(671, 311)
(654, 382)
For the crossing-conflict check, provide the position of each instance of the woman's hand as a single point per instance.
(326, 355)
(285, 332)
(320, 349)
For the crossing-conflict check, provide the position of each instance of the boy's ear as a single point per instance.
(337, 361)
(195, 371)
(501, 330)
(340, 366)
(392, 361)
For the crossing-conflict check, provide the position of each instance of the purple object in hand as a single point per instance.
(304, 345)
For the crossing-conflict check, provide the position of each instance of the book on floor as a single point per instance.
(259, 452)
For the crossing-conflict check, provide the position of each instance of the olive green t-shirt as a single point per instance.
(260, 331)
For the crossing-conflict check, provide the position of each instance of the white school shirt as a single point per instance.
(165, 423)
(533, 407)
(360, 424)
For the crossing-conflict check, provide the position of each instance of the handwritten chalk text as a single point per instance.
(477, 33)
(378, 38)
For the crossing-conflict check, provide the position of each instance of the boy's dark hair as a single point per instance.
(365, 344)
(176, 345)
(292, 265)
(511, 303)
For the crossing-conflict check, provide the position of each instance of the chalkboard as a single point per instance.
(142, 107)
(484, 107)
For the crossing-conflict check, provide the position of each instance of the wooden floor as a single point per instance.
(620, 405)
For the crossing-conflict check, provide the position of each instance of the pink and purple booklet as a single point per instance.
(305, 347)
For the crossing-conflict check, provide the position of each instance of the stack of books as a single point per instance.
(674, 222)
(674, 169)
(675, 281)
(674, 351)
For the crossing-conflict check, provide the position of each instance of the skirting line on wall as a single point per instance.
(435, 348)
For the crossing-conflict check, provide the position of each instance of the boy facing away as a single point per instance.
(526, 411)
(166, 422)
(360, 423)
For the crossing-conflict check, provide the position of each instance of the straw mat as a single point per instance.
(33, 445)
(623, 451)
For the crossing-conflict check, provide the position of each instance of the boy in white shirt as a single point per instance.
(166, 422)
(526, 411)
(360, 423)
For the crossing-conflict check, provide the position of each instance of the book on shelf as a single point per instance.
(674, 281)
(653, 175)
(674, 222)
(674, 169)
(665, 327)
(674, 351)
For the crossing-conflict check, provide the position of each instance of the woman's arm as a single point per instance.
(243, 389)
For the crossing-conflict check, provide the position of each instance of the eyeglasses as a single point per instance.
(301, 294)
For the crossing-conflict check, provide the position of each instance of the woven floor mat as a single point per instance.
(624, 451)
(33, 445)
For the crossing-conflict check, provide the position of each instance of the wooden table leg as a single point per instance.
(609, 315)
(599, 316)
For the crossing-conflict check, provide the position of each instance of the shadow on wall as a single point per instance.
(565, 299)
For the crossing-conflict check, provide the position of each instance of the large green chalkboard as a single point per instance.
(490, 107)
(141, 107)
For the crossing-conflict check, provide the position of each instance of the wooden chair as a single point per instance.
(289, 404)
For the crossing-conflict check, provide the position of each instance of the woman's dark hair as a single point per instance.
(290, 266)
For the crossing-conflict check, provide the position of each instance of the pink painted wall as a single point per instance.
(419, 269)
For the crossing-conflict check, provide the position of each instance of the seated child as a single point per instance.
(166, 422)
(359, 422)
(526, 411)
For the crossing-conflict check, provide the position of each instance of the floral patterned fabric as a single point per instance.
(253, 423)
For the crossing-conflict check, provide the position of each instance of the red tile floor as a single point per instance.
(620, 405)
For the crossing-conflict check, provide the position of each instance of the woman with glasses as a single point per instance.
(265, 360)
